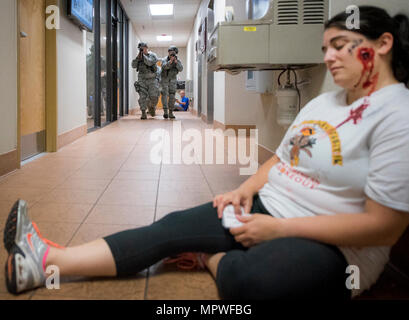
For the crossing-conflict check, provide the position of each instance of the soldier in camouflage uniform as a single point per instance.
(147, 85)
(171, 66)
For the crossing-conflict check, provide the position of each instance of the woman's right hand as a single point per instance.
(238, 197)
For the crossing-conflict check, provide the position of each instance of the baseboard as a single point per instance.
(70, 136)
(218, 125)
(9, 162)
(133, 111)
(236, 128)
(264, 154)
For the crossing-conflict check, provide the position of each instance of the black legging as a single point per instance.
(286, 268)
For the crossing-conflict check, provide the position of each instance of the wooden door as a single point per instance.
(32, 76)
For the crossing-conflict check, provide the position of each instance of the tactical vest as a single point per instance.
(143, 68)
(170, 73)
(145, 71)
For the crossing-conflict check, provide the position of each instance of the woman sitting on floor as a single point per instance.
(336, 193)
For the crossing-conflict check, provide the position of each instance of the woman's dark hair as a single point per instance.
(374, 22)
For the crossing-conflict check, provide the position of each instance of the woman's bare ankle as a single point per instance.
(52, 257)
(212, 262)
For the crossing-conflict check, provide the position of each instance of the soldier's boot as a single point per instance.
(152, 111)
(165, 113)
(171, 115)
(144, 117)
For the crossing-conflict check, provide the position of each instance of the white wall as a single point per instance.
(190, 57)
(190, 65)
(133, 52)
(192, 68)
(239, 103)
(220, 76)
(71, 76)
(201, 13)
(8, 76)
(219, 96)
(182, 55)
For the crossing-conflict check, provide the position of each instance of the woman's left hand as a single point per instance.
(257, 228)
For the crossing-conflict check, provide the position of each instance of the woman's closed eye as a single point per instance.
(339, 44)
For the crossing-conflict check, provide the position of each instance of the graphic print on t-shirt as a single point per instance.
(301, 142)
(304, 141)
(296, 176)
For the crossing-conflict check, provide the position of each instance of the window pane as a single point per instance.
(118, 62)
(90, 47)
(103, 61)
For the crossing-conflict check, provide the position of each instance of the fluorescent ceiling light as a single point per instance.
(164, 38)
(161, 9)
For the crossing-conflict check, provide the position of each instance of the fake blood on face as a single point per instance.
(367, 57)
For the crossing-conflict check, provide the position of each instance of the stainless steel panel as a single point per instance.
(243, 44)
(290, 46)
(290, 34)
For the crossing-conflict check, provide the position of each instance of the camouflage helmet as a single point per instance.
(173, 48)
(142, 44)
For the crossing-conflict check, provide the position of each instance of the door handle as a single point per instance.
(23, 34)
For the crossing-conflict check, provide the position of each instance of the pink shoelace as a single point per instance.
(50, 243)
(187, 261)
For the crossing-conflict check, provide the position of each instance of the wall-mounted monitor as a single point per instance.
(81, 12)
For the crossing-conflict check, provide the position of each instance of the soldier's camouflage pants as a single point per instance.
(148, 90)
(168, 92)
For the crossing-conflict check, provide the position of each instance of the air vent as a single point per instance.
(287, 12)
(314, 12)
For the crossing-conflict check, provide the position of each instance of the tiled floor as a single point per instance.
(106, 182)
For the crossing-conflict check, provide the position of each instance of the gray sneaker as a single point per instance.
(26, 248)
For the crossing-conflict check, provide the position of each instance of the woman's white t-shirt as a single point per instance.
(334, 155)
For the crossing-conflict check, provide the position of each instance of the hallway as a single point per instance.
(105, 182)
